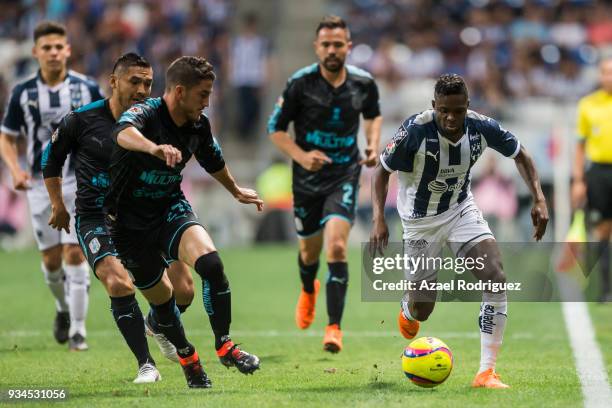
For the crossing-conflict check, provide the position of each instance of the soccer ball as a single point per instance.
(427, 362)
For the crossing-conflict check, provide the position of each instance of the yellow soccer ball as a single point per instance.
(427, 362)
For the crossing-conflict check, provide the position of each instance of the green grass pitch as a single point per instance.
(536, 359)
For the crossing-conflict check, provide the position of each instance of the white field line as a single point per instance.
(589, 360)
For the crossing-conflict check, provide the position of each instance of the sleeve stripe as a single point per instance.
(516, 152)
(385, 166)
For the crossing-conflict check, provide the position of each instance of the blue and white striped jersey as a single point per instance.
(434, 173)
(35, 110)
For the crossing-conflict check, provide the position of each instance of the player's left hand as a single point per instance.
(371, 158)
(539, 219)
(249, 196)
(60, 219)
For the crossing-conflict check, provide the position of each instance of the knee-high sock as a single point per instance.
(130, 322)
(165, 319)
(78, 296)
(55, 282)
(216, 295)
(337, 283)
(308, 274)
(604, 265)
(492, 322)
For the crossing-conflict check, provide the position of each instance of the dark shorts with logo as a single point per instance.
(147, 253)
(94, 238)
(311, 212)
(599, 192)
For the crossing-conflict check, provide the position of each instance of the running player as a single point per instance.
(433, 153)
(152, 222)
(85, 133)
(34, 110)
(325, 101)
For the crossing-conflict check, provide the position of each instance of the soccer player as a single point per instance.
(86, 135)
(34, 110)
(151, 221)
(595, 143)
(433, 153)
(325, 101)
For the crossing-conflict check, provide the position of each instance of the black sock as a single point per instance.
(337, 283)
(604, 266)
(166, 320)
(182, 308)
(216, 295)
(308, 274)
(130, 322)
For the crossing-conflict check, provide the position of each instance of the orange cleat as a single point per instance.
(408, 328)
(332, 341)
(305, 309)
(488, 379)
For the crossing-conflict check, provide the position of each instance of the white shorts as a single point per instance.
(460, 228)
(40, 211)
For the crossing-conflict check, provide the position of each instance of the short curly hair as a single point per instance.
(450, 84)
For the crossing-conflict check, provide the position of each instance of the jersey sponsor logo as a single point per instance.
(100, 180)
(416, 243)
(440, 186)
(159, 177)
(94, 246)
(329, 140)
(447, 171)
(434, 155)
(486, 319)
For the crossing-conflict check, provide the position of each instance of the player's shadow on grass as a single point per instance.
(272, 358)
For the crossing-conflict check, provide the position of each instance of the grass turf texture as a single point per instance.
(601, 314)
(536, 359)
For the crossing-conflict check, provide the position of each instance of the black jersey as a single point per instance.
(86, 134)
(142, 186)
(326, 119)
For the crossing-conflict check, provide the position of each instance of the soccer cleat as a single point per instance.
(166, 348)
(194, 372)
(230, 355)
(488, 379)
(77, 343)
(332, 341)
(147, 373)
(61, 325)
(408, 328)
(305, 309)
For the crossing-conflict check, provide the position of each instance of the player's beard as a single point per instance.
(333, 64)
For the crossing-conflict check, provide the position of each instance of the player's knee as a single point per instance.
(52, 259)
(309, 257)
(210, 268)
(336, 250)
(183, 291)
(115, 283)
(73, 255)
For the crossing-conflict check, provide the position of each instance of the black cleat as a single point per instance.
(231, 355)
(77, 343)
(194, 372)
(61, 325)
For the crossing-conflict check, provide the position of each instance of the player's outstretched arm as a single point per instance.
(379, 236)
(243, 195)
(9, 154)
(539, 211)
(60, 218)
(372, 132)
(311, 161)
(130, 138)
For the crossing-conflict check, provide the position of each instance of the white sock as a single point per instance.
(55, 282)
(406, 310)
(492, 322)
(78, 296)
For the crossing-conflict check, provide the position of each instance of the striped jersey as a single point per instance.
(35, 110)
(434, 173)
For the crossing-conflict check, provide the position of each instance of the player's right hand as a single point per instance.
(314, 160)
(379, 238)
(60, 219)
(21, 180)
(578, 194)
(168, 153)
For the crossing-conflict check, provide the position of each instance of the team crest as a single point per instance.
(94, 246)
(391, 146)
(136, 110)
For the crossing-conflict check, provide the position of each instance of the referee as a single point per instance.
(592, 178)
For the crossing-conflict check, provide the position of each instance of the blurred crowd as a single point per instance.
(506, 49)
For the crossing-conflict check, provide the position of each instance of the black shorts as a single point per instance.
(146, 253)
(599, 192)
(94, 238)
(313, 211)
